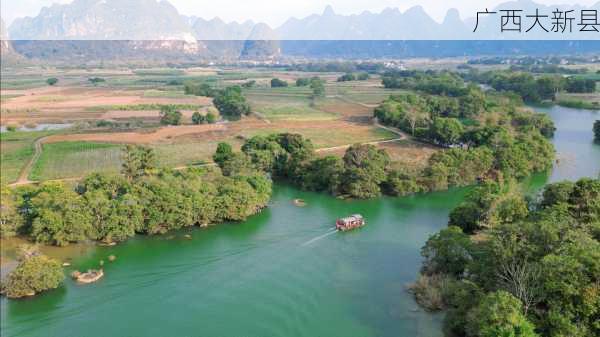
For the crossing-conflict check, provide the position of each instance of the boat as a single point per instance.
(351, 222)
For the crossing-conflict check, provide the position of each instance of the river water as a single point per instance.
(281, 273)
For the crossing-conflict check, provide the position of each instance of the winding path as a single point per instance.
(26, 170)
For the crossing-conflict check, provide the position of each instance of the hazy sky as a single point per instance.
(275, 12)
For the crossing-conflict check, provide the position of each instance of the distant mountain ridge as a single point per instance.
(159, 20)
(153, 29)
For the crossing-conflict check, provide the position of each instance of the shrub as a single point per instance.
(52, 81)
(198, 118)
(499, 314)
(33, 275)
(429, 291)
(277, 83)
(302, 82)
(210, 118)
(169, 116)
(346, 78)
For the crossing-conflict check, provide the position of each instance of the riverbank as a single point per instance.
(263, 276)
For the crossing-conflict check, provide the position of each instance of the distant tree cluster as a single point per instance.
(533, 270)
(303, 82)
(96, 80)
(338, 67)
(231, 103)
(144, 199)
(353, 77)
(448, 113)
(249, 84)
(278, 83)
(532, 88)
(208, 118)
(199, 89)
(580, 85)
(169, 115)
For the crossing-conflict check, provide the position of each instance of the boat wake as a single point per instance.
(332, 231)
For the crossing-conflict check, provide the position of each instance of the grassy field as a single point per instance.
(16, 148)
(74, 159)
(340, 118)
(290, 103)
(331, 137)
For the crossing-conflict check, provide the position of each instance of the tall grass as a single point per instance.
(75, 159)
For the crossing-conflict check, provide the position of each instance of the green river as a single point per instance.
(281, 273)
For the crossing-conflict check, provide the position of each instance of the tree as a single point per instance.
(249, 84)
(231, 103)
(317, 87)
(33, 275)
(365, 170)
(322, 174)
(580, 85)
(446, 131)
(199, 89)
(52, 81)
(447, 252)
(597, 130)
(548, 86)
(521, 279)
(362, 76)
(557, 193)
(347, 77)
(399, 183)
(302, 82)
(277, 83)
(11, 221)
(96, 80)
(137, 161)
(59, 215)
(210, 118)
(499, 314)
(473, 103)
(169, 115)
(223, 153)
(116, 213)
(198, 118)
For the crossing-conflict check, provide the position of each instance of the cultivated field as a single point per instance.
(127, 102)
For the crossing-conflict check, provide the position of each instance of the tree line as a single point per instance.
(366, 171)
(528, 87)
(142, 199)
(512, 265)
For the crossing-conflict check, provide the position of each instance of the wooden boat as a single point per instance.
(349, 223)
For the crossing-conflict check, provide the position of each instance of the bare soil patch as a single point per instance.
(154, 136)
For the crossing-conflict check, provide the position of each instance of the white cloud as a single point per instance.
(275, 12)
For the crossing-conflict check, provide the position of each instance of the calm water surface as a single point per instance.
(281, 273)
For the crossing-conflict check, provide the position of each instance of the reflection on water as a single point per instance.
(260, 278)
(40, 127)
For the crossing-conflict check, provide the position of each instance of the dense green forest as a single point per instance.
(142, 199)
(501, 152)
(513, 265)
